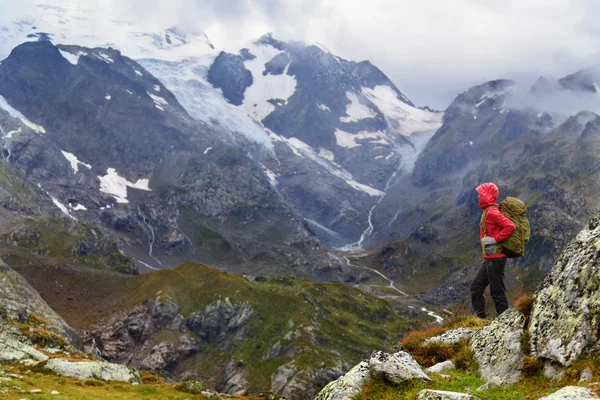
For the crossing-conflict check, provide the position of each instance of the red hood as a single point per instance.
(488, 194)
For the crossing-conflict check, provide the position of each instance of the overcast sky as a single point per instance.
(431, 49)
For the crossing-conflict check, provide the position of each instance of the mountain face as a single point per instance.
(114, 147)
(548, 160)
(332, 135)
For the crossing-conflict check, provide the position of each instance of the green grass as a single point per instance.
(88, 390)
(459, 381)
(315, 318)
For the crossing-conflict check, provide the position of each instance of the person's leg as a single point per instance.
(480, 282)
(495, 274)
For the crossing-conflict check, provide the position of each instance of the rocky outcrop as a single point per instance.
(497, 348)
(119, 340)
(347, 386)
(222, 323)
(395, 368)
(293, 383)
(451, 337)
(26, 320)
(442, 395)
(234, 379)
(93, 370)
(572, 393)
(566, 313)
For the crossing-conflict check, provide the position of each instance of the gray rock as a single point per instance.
(441, 367)
(497, 348)
(162, 356)
(442, 395)
(484, 387)
(586, 376)
(565, 315)
(451, 337)
(348, 386)
(222, 323)
(571, 393)
(120, 340)
(234, 379)
(395, 368)
(553, 370)
(93, 370)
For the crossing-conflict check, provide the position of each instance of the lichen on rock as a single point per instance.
(497, 349)
(395, 368)
(348, 386)
(566, 314)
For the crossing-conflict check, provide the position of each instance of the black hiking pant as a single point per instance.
(491, 273)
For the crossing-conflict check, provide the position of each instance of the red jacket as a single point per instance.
(498, 226)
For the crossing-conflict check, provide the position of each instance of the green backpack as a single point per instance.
(515, 210)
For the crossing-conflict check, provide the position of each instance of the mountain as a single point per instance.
(331, 135)
(547, 159)
(113, 147)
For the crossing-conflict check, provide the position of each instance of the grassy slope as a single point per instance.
(73, 389)
(341, 318)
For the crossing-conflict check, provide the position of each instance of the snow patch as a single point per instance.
(159, 102)
(138, 73)
(62, 208)
(266, 87)
(188, 82)
(157, 88)
(74, 161)
(116, 186)
(108, 97)
(78, 207)
(129, 91)
(408, 119)
(323, 107)
(356, 110)
(17, 114)
(271, 175)
(207, 150)
(72, 58)
(303, 150)
(326, 154)
(104, 57)
(348, 140)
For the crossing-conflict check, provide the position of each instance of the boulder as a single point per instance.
(566, 313)
(441, 367)
(395, 368)
(93, 370)
(571, 393)
(428, 394)
(451, 337)
(348, 386)
(497, 348)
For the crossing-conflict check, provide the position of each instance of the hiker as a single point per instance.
(494, 228)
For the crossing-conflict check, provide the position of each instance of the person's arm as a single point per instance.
(507, 227)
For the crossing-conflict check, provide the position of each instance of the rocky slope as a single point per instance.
(546, 159)
(553, 336)
(113, 147)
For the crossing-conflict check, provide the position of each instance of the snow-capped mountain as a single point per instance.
(332, 136)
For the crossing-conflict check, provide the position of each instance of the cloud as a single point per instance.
(431, 49)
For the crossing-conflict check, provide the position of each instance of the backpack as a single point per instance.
(515, 210)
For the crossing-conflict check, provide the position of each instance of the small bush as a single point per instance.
(192, 387)
(149, 378)
(531, 366)
(463, 359)
(93, 382)
(524, 304)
